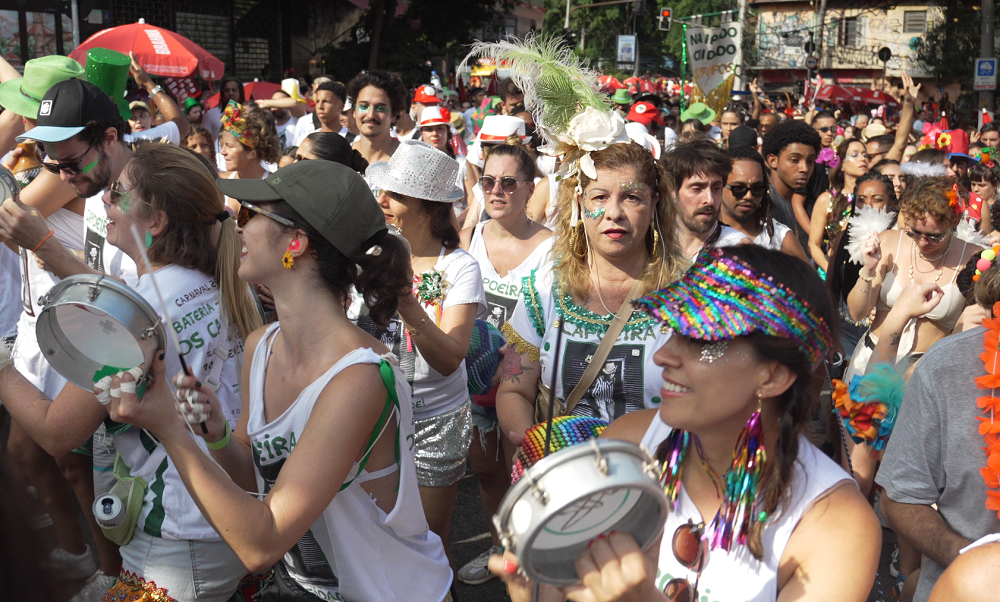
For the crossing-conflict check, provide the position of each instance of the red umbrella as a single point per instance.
(835, 93)
(609, 83)
(160, 51)
(874, 97)
(631, 81)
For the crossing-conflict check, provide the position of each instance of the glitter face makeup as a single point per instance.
(597, 214)
(721, 298)
(626, 185)
(713, 351)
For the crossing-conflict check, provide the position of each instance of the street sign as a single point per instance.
(811, 62)
(884, 54)
(809, 47)
(626, 49)
(986, 74)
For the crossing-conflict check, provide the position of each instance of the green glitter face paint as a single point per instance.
(598, 214)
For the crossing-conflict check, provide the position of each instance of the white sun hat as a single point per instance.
(417, 170)
(432, 116)
(495, 130)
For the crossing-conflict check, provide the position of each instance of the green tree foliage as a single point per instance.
(600, 28)
(428, 28)
(949, 50)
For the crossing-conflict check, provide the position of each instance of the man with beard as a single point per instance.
(84, 137)
(231, 90)
(746, 204)
(698, 171)
(378, 99)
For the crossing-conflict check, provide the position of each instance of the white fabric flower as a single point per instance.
(594, 129)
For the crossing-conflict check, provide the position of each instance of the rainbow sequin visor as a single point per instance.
(721, 297)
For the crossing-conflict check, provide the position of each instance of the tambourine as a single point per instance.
(93, 326)
(8, 185)
(574, 496)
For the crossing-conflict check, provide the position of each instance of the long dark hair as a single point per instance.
(795, 405)
(838, 198)
(331, 146)
(763, 213)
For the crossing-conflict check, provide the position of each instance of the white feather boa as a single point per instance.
(865, 222)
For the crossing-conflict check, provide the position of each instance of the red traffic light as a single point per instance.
(665, 13)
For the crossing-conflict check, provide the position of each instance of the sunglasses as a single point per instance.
(508, 184)
(740, 190)
(827, 129)
(248, 210)
(931, 238)
(71, 167)
(116, 194)
(689, 549)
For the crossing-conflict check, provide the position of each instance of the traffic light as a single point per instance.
(665, 14)
(569, 38)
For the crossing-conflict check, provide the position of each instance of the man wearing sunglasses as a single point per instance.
(825, 125)
(84, 137)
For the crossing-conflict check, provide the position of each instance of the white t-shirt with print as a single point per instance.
(286, 131)
(433, 394)
(503, 292)
(194, 302)
(772, 242)
(629, 380)
(98, 253)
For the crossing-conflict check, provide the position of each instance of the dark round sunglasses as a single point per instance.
(740, 190)
(690, 550)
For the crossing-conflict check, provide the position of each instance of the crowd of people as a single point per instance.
(372, 287)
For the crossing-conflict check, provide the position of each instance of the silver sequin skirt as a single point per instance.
(442, 447)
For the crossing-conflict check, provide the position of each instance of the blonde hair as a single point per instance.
(180, 183)
(570, 252)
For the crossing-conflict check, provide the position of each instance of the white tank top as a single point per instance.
(551, 219)
(354, 551)
(738, 575)
(503, 292)
(35, 282)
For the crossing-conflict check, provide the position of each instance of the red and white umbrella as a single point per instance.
(251, 90)
(161, 52)
(874, 97)
(836, 93)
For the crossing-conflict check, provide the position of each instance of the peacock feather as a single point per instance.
(557, 85)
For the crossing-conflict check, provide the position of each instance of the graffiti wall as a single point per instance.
(783, 31)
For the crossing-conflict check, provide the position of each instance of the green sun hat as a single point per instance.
(622, 97)
(24, 95)
(108, 70)
(700, 111)
(191, 102)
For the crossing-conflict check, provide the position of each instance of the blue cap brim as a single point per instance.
(50, 133)
(963, 156)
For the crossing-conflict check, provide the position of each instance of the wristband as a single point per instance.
(39, 245)
(869, 279)
(156, 90)
(221, 443)
(415, 330)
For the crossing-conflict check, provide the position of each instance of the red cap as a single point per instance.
(644, 113)
(426, 95)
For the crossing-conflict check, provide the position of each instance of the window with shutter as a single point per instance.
(914, 21)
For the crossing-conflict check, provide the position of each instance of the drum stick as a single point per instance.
(163, 308)
(552, 393)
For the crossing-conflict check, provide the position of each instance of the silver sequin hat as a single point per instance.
(417, 170)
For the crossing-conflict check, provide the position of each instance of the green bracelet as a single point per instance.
(221, 443)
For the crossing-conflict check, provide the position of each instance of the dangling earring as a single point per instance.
(287, 260)
(656, 241)
(149, 239)
(575, 225)
(738, 512)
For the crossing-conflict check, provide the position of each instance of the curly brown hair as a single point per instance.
(262, 132)
(932, 198)
(570, 252)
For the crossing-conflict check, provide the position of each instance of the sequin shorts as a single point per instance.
(442, 447)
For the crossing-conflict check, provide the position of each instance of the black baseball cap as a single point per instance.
(332, 198)
(67, 108)
(743, 135)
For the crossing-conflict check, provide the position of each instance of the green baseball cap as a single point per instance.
(332, 198)
(108, 70)
(24, 95)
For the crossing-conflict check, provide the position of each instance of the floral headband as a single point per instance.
(828, 157)
(990, 158)
(722, 298)
(234, 121)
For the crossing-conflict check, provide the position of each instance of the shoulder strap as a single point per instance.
(610, 338)
(391, 403)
